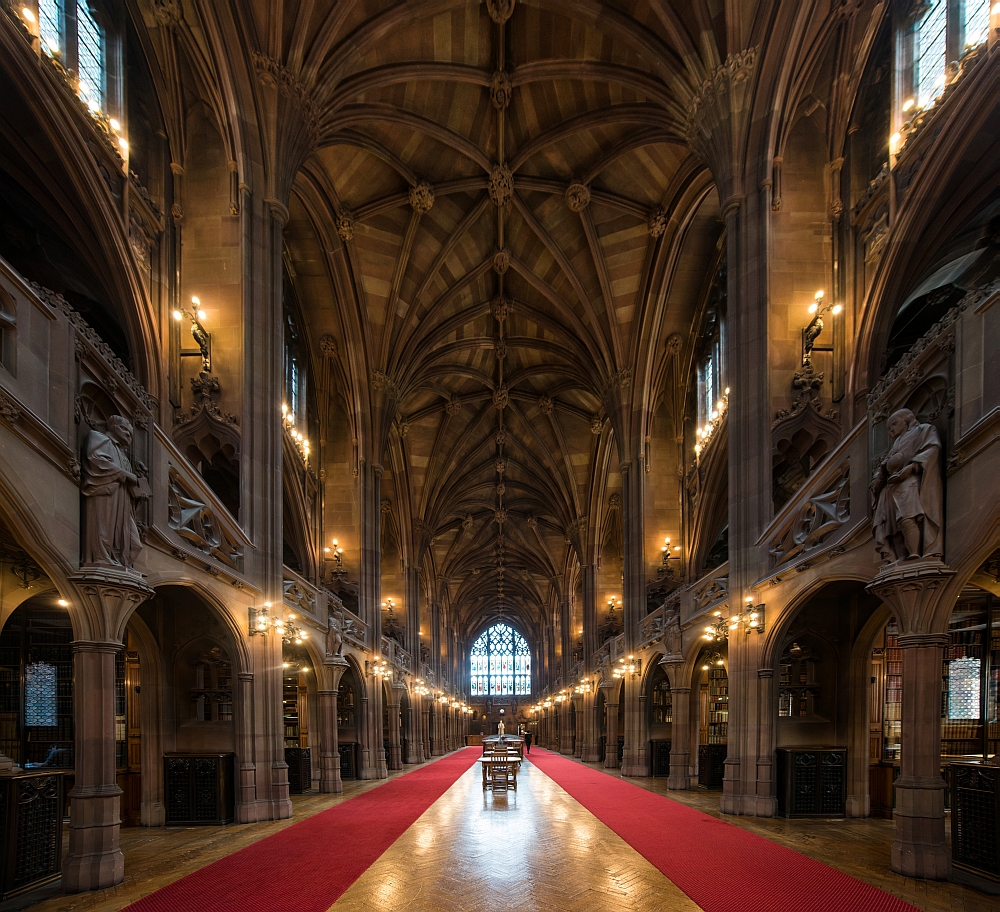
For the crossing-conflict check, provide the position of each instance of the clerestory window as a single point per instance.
(500, 663)
(943, 33)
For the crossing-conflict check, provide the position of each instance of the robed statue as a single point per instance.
(908, 492)
(334, 639)
(672, 635)
(111, 487)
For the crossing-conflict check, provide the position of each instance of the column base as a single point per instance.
(95, 860)
(395, 757)
(919, 849)
(679, 778)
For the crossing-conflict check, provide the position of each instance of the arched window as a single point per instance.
(500, 663)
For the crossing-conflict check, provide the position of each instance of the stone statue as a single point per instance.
(908, 493)
(111, 489)
(672, 635)
(334, 639)
(500, 728)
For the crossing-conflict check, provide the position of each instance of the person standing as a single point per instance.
(527, 741)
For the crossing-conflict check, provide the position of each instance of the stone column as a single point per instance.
(912, 590)
(395, 747)
(565, 728)
(246, 805)
(95, 860)
(920, 849)
(590, 752)
(413, 730)
(581, 725)
(611, 745)
(680, 730)
(426, 732)
(329, 753)
(106, 599)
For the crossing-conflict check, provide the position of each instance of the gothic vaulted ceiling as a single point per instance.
(483, 228)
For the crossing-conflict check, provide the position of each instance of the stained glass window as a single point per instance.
(963, 688)
(40, 695)
(977, 21)
(500, 663)
(930, 50)
(91, 56)
(50, 17)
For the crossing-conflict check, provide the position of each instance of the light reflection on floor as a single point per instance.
(533, 849)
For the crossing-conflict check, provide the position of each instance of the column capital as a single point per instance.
(912, 589)
(106, 599)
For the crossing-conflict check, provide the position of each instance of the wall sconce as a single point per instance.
(547, 704)
(714, 659)
(260, 620)
(628, 666)
(718, 630)
(584, 687)
(420, 688)
(336, 554)
(377, 668)
(669, 553)
(752, 617)
(443, 699)
(815, 327)
(204, 339)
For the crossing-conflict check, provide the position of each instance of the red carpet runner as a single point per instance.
(306, 867)
(722, 867)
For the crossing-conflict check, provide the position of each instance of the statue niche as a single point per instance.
(111, 490)
(908, 492)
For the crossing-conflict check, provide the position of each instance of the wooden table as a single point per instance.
(488, 763)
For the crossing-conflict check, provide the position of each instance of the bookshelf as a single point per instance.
(892, 703)
(662, 709)
(718, 706)
(36, 688)
(290, 707)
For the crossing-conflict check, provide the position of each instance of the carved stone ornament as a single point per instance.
(206, 390)
(501, 398)
(908, 492)
(577, 197)
(195, 522)
(111, 490)
(290, 88)
(453, 406)
(545, 405)
(299, 597)
(816, 520)
(500, 185)
(674, 344)
(712, 592)
(345, 224)
(328, 345)
(9, 411)
(501, 262)
(500, 349)
(467, 522)
(500, 437)
(596, 423)
(500, 90)
(422, 197)
(501, 465)
(500, 10)
(657, 222)
(501, 308)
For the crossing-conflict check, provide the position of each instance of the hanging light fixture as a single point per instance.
(630, 666)
(718, 630)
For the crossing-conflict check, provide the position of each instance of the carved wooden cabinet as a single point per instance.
(299, 762)
(348, 766)
(198, 788)
(31, 838)
(659, 758)
(812, 782)
(975, 819)
(711, 765)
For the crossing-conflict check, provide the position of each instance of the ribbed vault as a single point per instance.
(482, 229)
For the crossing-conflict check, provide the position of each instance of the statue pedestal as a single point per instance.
(912, 590)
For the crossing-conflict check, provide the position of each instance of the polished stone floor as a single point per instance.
(534, 849)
